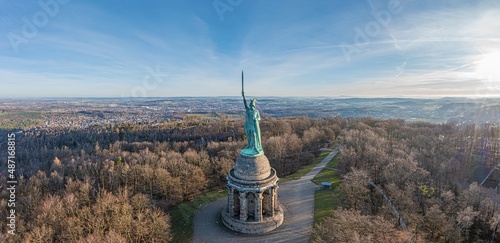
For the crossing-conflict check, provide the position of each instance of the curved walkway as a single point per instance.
(297, 199)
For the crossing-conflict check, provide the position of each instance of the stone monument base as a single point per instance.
(252, 196)
(253, 227)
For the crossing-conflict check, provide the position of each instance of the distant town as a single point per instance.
(86, 112)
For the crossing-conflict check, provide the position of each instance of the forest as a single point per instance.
(427, 172)
(117, 183)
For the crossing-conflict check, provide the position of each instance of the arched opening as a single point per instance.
(267, 203)
(236, 203)
(251, 206)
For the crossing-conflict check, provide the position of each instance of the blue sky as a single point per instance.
(372, 48)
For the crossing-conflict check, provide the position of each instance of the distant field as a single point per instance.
(214, 115)
(431, 120)
(202, 114)
(20, 119)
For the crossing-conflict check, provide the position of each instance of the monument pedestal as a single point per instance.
(252, 205)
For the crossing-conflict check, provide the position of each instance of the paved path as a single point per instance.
(297, 199)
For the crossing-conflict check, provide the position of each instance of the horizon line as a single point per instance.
(234, 96)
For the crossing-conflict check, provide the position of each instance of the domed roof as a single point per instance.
(252, 168)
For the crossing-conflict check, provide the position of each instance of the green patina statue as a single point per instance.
(252, 128)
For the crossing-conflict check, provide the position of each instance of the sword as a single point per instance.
(242, 84)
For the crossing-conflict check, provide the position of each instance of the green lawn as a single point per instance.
(323, 204)
(182, 215)
(326, 200)
(328, 174)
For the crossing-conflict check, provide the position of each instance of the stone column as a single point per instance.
(243, 206)
(258, 206)
(230, 201)
(275, 198)
(270, 199)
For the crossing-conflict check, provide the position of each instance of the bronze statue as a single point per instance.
(252, 128)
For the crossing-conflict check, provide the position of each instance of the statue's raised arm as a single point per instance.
(243, 92)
